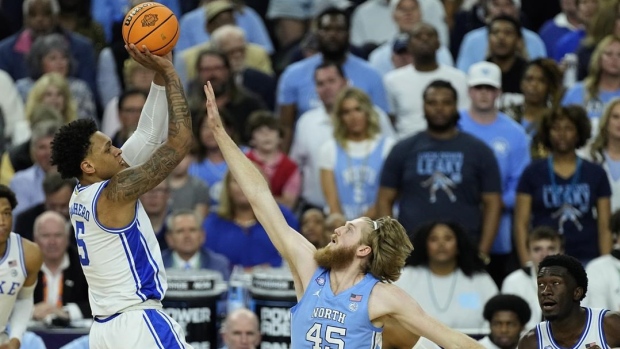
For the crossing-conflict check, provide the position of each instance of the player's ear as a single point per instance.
(578, 293)
(364, 250)
(87, 167)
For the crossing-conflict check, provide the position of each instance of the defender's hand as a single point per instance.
(214, 121)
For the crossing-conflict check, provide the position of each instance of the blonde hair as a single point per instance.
(390, 246)
(130, 67)
(35, 96)
(593, 79)
(225, 208)
(602, 23)
(340, 129)
(602, 138)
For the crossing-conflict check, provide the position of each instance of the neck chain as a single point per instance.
(429, 281)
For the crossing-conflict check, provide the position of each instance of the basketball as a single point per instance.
(153, 25)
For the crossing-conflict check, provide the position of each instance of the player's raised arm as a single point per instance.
(127, 185)
(151, 130)
(390, 301)
(296, 250)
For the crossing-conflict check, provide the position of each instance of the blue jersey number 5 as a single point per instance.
(79, 230)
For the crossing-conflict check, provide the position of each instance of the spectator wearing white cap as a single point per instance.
(372, 22)
(405, 86)
(509, 143)
(475, 44)
(406, 14)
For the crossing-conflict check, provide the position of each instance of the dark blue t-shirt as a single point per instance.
(441, 180)
(569, 207)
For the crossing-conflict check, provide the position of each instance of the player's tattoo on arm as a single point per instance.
(133, 182)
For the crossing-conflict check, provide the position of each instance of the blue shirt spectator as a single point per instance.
(594, 106)
(194, 23)
(475, 46)
(296, 84)
(553, 29)
(569, 43)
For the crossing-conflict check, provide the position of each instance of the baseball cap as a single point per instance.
(215, 8)
(401, 43)
(484, 73)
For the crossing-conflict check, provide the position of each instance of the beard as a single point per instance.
(335, 258)
(447, 126)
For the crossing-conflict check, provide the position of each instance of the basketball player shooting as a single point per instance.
(344, 290)
(118, 249)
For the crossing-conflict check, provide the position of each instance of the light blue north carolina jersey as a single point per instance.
(324, 320)
(123, 266)
(12, 277)
(592, 335)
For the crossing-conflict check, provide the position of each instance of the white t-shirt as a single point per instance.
(524, 285)
(405, 87)
(603, 283)
(455, 299)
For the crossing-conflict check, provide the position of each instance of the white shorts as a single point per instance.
(144, 329)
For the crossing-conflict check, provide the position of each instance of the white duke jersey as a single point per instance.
(123, 266)
(591, 336)
(12, 277)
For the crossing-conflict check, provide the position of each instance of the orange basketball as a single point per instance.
(153, 25)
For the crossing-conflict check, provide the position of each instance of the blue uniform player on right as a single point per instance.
(344, 289)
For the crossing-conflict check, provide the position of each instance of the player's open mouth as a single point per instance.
(548, 304)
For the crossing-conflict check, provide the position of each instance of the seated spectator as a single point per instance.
(235, 232)
(507, 316)
(241, 330)
(230, 40)
(19, 157)
(57, 193)
(51, 90)
(186, 191)
(156, 203)
(564, 191)
(130, 105)
(12, 107)
(455, 285)
(587, 10)
(51, 54)
(541, 86)
(406, 14)
(282, 173)
(405, 85)
(334, 221)
(296, 91)
(41, 18)
(75, 16)
(603, 276)
(504, 43)
(219, 14)
(605, 149)
(185, 239)
(602, 83)
(351, 161)
(541, 242)
(61, 292)
(208, 163)
(135, 77)
(313, 228)
(563, 23)
(27, 184)
(245, 17)
(475, 43)
(214, 67)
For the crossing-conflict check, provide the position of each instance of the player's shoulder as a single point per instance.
(611, 324)
(529, 340)
(32, 255)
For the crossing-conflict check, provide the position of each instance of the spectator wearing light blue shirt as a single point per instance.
(194, 23)
(509, 143)
(602, 84)
(296, 93)
(475, 44)
(406, 14)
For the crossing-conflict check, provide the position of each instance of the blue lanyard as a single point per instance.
(573, 181)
